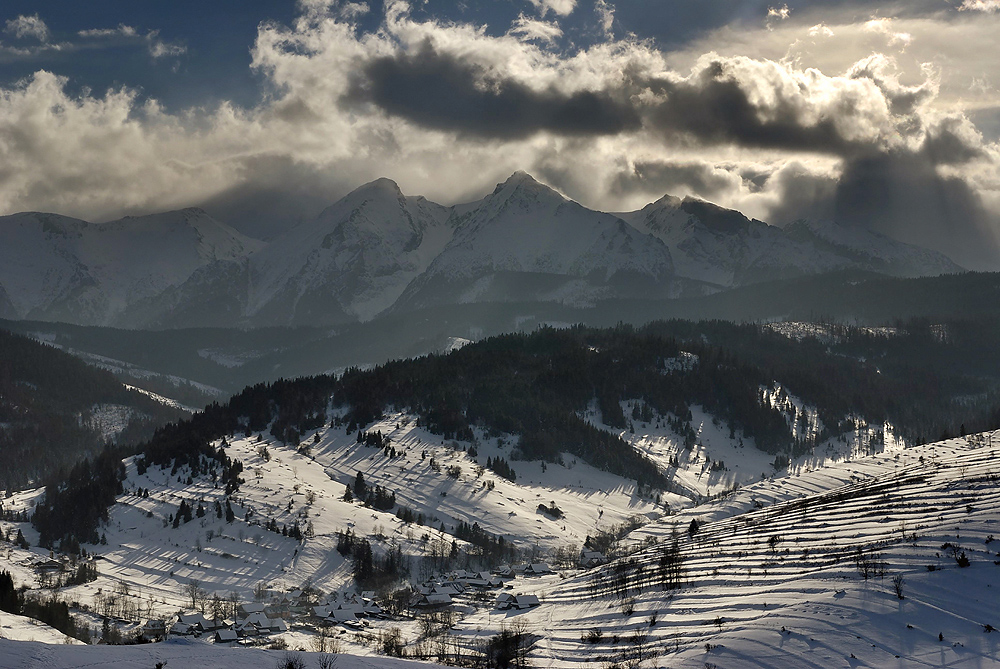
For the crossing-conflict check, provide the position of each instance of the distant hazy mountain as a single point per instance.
(724, 248)
(376, 251)
(58, 268)
(56, 410)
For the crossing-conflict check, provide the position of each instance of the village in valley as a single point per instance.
(314, 621)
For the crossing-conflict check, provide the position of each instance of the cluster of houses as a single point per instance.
(252, 621)
(350, 612)
(506, 601)
(438, 593)
(250, 624)
(255, 621)
(441, 592)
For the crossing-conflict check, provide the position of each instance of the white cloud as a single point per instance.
(776, 14)
(558, 7)
(988, 6)
(103, 155)
(605, 17)
(121, 31)
(344, 9)
(535, 29)
(160, 49)
(884, 26)
(28, 26)
(157, 47)
(821, 30)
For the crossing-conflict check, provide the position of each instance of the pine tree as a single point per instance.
(360, 487)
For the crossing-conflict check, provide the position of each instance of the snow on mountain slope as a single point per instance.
(771, 576)
(57, 268)
(377, 250)
(768, 580)
(526, 241)
(40, 270)
(174, 653)
(723, 247)
(872, 250)
(357, 257)
(720, 461)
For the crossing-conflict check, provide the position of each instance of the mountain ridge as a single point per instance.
(377, 251)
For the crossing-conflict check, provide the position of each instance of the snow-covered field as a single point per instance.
(768, 580)
(173, 654)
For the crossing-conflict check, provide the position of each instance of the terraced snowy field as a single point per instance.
(771, 579)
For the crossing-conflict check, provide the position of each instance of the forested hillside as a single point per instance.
(55, 410)
(538, 388)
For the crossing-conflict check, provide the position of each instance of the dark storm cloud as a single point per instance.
(903, 196)
(275, 193)
(712, 108)
(801, 194)
(945, 145)
(659, 177)
(438, 90)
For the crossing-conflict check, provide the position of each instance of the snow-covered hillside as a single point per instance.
(175, 653)
(438, 480)
(772, 576)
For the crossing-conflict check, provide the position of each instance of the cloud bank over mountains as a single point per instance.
(803, 112)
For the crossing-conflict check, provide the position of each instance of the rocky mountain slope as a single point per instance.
(377, 251)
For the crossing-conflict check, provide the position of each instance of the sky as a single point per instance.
(873, 114)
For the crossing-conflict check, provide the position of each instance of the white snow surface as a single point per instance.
(525, 226)
(174, 654)
(87, 272)
(20, 628)
(769, 579)
(361, 251)
(733, 253)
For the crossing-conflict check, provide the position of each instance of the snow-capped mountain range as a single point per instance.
(377, 250)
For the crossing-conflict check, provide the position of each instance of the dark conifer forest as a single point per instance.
(49, 410)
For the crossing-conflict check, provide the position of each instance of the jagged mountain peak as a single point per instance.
(383, 186)
(353, 260)
(668, 201)
(380, 200)
(376, 249)
(714, 217)
(522, 182)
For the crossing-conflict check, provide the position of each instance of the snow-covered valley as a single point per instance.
(768, 579)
